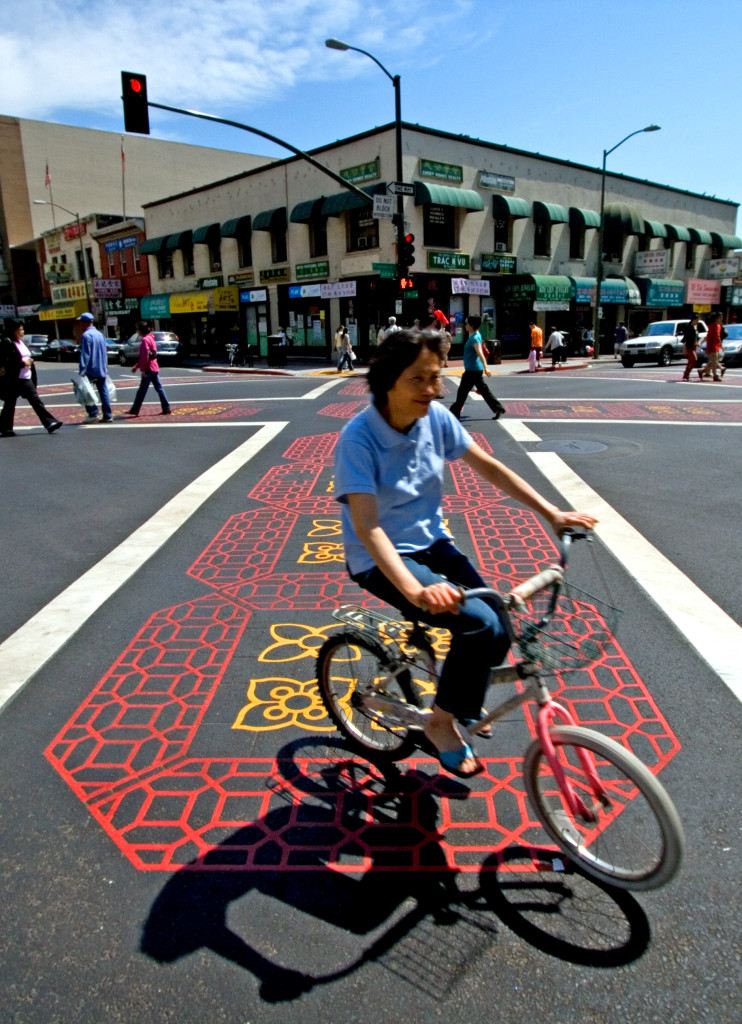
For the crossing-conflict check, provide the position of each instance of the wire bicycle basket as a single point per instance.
(577, 634)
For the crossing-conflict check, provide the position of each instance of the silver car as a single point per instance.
(659, 342)
(168, 348)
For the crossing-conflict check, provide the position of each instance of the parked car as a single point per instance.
(113, 348)
(660, 342)
(61, 348)
(733, 345)
(36, 344)
(168, 348)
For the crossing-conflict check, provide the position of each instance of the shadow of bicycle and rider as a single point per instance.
(379, 909)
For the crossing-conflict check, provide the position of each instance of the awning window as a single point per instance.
(537, 288)
(621, 290)
(623, 219)
(446, 195)
(677, 234)
(207, 234)
(346, 200)
(511, 206)
(550, 212)
(580, 218)
(237, 227)
(655, 229)
(179, 240)
(726, 241)
(699, 236)
(270, 220)
(304, 213)
(152, 245)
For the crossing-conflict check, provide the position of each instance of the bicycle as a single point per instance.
(596, 800)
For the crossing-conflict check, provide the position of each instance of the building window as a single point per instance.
(690, 255)
(439, 227)
(244, 249)
(318, 237)
(278, 245)
(577, 241)
(123, 262)
(503, 234)
(363, 230)
(89, 262)
(215, 255)
(137, 262)
(187, 254)
(613, 243)
(165, 264)
(111, 264)
(542, 238)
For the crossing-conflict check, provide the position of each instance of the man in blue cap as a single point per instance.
(94, 366)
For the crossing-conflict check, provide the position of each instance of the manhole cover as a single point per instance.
(571, 447)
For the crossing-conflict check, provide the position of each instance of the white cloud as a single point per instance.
(233, 54)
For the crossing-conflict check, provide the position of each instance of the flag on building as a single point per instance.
(123, 155)
(48, 178)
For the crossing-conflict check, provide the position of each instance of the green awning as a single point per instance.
(655, 229)
(511, 206)
(270, 220)
(447, 195)
(726, 241)
(236, 227)
(699, 236)
(152, 245)
(620, 290)
(537, 288)
(550, 212)
(661, 291)
(619, 217)
(179, 240)
(583, 218)
(582, 289)
(307, 211)
(346, 200)
(677, 234)
(209, 232)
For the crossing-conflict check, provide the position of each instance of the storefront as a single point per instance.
(618, 297)
(525, 298)
(204, 321)
(254, 322)
(63, 316)
(661, 298)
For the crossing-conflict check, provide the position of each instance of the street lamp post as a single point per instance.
(338, 44)
(46, 202)
(601, 229)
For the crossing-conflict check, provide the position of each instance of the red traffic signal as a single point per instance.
(405, 283)
(407, 251)
(134, 96)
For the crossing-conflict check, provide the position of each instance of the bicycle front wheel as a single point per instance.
(635, 840)
(351, 667)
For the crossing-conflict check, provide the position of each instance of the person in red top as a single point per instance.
(714, 350)
(150, 369)
(537, 341)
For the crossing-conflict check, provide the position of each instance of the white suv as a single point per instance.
(660, 342)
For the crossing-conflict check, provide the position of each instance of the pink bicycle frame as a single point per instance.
(577, 806)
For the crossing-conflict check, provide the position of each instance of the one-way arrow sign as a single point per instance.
(400, 188)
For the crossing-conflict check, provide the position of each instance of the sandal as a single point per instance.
(451, 759)
(485, 733)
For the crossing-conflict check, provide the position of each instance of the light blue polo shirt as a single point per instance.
(404, 471)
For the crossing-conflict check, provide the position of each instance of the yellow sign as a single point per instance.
(189, 302)
(70, 312)
(226, 300)
(701, 309)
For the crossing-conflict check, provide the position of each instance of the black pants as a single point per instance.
(23, 389)
(475, 379)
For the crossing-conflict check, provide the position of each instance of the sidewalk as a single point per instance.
(297, 367)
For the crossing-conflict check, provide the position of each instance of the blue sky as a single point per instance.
(567, 78)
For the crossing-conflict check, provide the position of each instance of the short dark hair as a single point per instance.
(392, 357)
(142, 326)
(15, 325)
(474, 321)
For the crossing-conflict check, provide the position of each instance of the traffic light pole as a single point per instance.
(271, 138)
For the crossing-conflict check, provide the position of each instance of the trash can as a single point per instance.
(495, 351)
(276, 351)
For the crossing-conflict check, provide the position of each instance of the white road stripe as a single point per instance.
(715, 635)
(39, 639)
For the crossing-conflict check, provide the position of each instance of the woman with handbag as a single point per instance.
(150, 369)
(18, 380)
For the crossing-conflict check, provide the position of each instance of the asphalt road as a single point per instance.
(184, 838)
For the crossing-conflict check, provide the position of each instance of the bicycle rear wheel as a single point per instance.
(635, 840)
(350, 666)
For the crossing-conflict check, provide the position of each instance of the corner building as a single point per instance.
(505, 233)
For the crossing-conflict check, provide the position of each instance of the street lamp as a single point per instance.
(338, 44)
(599, 274)
(46, 202)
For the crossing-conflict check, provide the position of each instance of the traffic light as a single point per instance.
(134, 95)
(407, 251)
(405, 283)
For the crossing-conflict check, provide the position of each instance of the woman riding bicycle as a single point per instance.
(389, 479)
